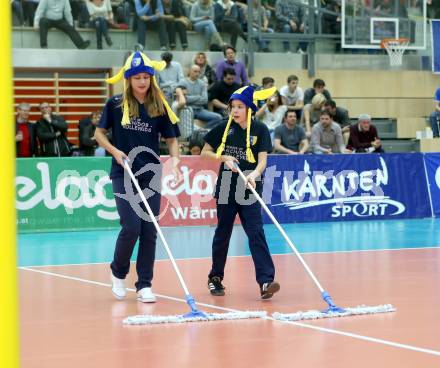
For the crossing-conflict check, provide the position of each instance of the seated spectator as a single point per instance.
(241, 76)
(29, 9)
(272, 112)
(289, 137)
(261, 22)
(176, 20)
(290, 19)
(57, 14)
(202, 17)
(433, 9)
(87, 141)
(196, 142)
(331, 23)
(364, 137)
(292, 95)
(184, 112)
(339, 115)
(327, 136)
(25, 135)
(312, 112)
(197, 98)
(122, 11)
(318, 87)
(17, 13)
(207, 73)
(221, 91)
(266, 82)
(51, 132)
(227, 18)
(150, 13)
(269, 6)
(101, 15)
(434, 118)
(169, 77)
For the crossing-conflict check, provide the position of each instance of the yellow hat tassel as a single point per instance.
(126, 112)
(221, 148)
(249, 155)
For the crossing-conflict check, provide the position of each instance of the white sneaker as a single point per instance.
(145, 295)
(118, 287)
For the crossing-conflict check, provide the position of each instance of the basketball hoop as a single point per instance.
(395, 48)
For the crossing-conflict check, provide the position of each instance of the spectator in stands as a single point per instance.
(228, 19)
(272, 112)
(312, 112)
(197, 98)
(122, 11)
(364, 136)
(101, 15)
(176, 20)
(57, 14)
(290, 19)
(17, 13)
(196, 143)
(185, 113)
(327, 136)
(269, 6)
(51, 133)
(87, 141)
(29, 9)
(434, 118)
(150, 13)
(25, 135)
(289, 137)
(221, 91)
(318, 87)
(339, 115)
(292, 95)
(433, 9)
(230, 62)
(207, 73)
(169, 77)
(331, 23)
(202, 17)
(266, 82)
(261, 21)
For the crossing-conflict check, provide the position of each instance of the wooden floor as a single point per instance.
(69, 317)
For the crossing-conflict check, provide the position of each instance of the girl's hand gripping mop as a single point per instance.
(333, 310)
(194, 314)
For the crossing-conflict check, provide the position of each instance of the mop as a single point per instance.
(332, 309)
(195, 314)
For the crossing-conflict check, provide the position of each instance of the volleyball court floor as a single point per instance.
(69, 318)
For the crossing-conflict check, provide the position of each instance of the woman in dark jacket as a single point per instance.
(175, 20)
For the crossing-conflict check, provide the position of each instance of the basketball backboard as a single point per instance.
(365, 23)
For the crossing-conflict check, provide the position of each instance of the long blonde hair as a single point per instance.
(153, 102)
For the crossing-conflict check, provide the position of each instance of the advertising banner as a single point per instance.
(432, 161)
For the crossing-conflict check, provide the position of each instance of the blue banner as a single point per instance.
(312, 188)
(435, 41)
(432, 161)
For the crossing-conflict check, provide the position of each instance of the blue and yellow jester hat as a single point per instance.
(248, 96)
(137, 63)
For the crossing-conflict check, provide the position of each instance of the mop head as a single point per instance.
(315, 314)
(192, 317)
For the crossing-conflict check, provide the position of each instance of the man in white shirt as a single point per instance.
(292, 95)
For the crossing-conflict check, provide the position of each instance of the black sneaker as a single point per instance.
(268, 289)
(215, 286)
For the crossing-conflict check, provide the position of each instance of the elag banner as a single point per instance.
(346, 187)
(432, 161)
(76, 194)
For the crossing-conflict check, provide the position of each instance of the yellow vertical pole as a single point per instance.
(9, 356)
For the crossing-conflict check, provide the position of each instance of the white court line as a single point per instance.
(248, 255)
(300, 324)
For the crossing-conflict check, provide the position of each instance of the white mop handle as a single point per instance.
(274, 220)
(156, 225)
